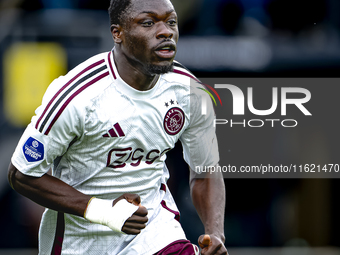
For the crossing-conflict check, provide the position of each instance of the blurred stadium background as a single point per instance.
(42, 39)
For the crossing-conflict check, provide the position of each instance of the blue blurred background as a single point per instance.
(42, 39)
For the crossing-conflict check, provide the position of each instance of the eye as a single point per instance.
(147, 23)
(172, 22)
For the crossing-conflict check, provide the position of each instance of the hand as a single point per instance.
(138, 220)
(210, 245)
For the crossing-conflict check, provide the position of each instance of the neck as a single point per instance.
(132, 75)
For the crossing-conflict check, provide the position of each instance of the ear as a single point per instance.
(116, 31)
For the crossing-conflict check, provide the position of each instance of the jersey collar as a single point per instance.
(126, 88)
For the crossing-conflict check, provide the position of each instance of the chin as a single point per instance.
(160, 69)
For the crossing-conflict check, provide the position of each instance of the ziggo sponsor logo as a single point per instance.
(118, 158)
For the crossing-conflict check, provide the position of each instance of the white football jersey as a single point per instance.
(105, 138)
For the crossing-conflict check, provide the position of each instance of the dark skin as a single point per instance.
(208, 197)
(55, 194)
(139, 43)
(136, 41)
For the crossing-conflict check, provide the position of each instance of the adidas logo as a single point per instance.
(116, 131)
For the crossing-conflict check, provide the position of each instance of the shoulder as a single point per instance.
(181, 75)
(181, 78)
(85, 80)
(88, 73)
(68, 96)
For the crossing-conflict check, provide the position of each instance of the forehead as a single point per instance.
(150, 6)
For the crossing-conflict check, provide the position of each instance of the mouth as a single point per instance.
(166, 50)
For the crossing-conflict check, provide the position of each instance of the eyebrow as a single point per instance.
(153, 13)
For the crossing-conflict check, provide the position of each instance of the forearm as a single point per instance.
(49, 192)
(208, 196)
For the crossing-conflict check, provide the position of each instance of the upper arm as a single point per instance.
(199, 139)
(202, 176)
(15, 177)
(11, 174)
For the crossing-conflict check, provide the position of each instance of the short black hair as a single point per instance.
(117, 10)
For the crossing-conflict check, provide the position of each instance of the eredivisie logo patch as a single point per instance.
(33, 150)
(174, 121)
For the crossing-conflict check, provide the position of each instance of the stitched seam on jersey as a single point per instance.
(68, 83)
(66, 93)
(73, 96)
(92, 104)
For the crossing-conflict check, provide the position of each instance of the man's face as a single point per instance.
(150, 34)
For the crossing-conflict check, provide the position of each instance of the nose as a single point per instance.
(164, 31)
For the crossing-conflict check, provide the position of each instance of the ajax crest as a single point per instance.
(174, 121)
